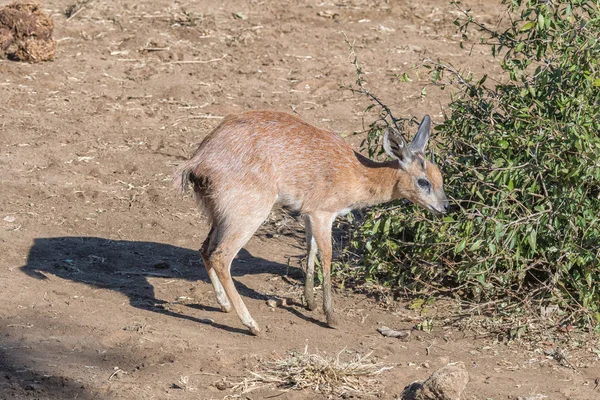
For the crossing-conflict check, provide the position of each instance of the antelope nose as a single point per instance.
(445, 206)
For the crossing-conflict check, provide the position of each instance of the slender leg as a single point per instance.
(322, 232)
(229, 237)
(205, 251)
(309, 279)
(221, 259)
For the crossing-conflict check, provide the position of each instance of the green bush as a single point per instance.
(521, 159)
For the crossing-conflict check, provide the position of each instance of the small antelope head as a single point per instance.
(420, 180)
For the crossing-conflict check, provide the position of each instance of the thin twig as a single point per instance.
(198, 61)
(363, 90)
(117, 370)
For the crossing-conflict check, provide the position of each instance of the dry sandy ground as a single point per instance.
(103, 295)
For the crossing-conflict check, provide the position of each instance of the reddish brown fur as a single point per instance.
(289, 157)
(252, 161)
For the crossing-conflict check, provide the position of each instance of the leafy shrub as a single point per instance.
(521, 159)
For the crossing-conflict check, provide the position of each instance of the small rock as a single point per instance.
(447, 383)
(222, 385)
(385, 331)
(274, 302)
(328, 14)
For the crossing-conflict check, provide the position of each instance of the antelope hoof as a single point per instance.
(226, 307)
(255, 330)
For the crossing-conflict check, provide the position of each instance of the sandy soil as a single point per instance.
(103, 294)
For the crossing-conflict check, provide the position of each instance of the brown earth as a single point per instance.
(103, 295)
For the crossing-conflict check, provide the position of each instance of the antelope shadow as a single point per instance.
(124, 266)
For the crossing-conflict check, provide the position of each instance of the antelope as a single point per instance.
(255, 160)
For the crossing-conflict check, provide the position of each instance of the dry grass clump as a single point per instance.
(26, 32)
(324, 375)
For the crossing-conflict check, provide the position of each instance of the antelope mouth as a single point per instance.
(436, 211)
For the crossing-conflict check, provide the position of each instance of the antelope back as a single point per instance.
(275, 156)
(256, 159)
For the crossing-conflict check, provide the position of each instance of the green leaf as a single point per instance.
(430, 301)
(532, 239)
(460, 246)
(375, 228)
(520, 47)
(404, 78)
(425, 326)
(541, 21)
(476, 245)
(416, 304)
(527, 26)
(386, 226)
(498, 231)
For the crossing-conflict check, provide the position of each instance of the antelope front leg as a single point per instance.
(322, 233)
(327, 301)
(309, 278)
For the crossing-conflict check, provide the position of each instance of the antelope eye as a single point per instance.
(423, 183)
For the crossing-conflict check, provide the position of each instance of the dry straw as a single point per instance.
(321, 374)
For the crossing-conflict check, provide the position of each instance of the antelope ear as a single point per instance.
(420, 140)
(395, 146)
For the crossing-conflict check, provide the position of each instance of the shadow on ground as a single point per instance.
(19, 378)
(124, 266)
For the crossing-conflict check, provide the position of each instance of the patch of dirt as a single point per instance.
(103, 294)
